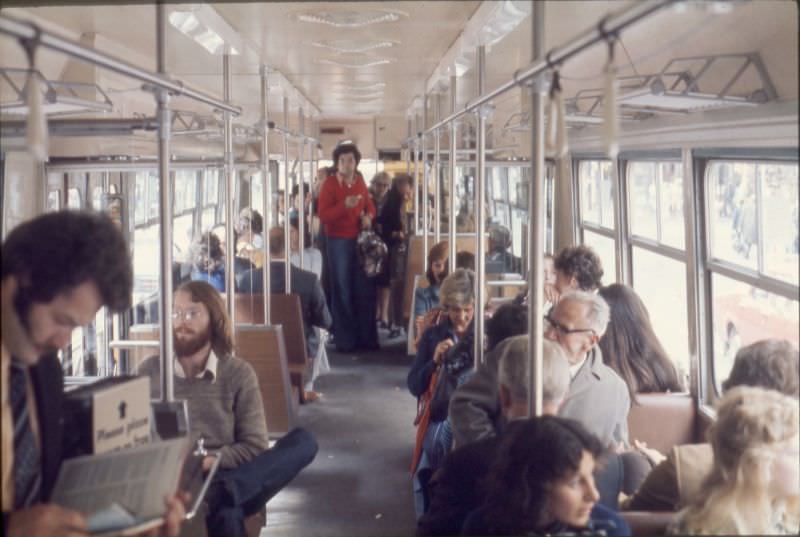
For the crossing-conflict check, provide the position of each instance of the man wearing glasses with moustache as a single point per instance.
(597, 396)
(226, 411)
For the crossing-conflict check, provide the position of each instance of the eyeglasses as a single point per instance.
(187, 315)
(549, 323)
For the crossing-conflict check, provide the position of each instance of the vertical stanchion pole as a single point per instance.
(451, 230)
(230, 195)
(536, 202)
(266, 190)
(416, 175)
(375, 142)
(408, 146)
(165, 212)
(287, 185)
(425, 216)
(301, 192)
(437, 189)
(480, 210)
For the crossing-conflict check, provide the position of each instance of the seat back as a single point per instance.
(141, 332)
(648, 522)
(285, 310)
(263, 347)
(647, 419)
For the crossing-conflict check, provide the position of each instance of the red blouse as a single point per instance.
(341, 222)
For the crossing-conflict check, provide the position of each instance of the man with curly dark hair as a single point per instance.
(577, 269)
(57, 271)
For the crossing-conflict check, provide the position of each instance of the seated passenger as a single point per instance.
(446, 344)
(630, 346)
(240, 264)
(427, 298)
(770, 364)
(312, 257)
(465, 259)
(541, 483)
(454, 490)
(208, 262)
(598, 397)
(499, 259)
(226, 410)
(249, 239)
(577, 269)
(475, 405)
(754, 483)
(304, 284)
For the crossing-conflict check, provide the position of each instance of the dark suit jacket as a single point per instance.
(306, 285)
(48, 385)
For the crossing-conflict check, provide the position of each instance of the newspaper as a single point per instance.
(123, 489)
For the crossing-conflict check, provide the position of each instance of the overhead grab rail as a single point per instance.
(27, 30)
(291, 134)
(610, 25)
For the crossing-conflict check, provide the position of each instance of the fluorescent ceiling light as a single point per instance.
(369, 88)
(352, 19)
(355, 65)
(351, 46)
(202, 23)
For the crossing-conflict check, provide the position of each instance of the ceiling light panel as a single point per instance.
(352, 19)
(351, 46)
(369, 88)
(355, 64)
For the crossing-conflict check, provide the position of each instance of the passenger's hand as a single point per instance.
(441, 350)
(352, 201)
(208, 462)
(173, 517)
(653, 455)
(366, 221)
(551, 294)
(46, 520)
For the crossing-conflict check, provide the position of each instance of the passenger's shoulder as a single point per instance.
(149, 366)
(235, 367)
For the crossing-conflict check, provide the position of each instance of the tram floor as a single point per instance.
(359, 484)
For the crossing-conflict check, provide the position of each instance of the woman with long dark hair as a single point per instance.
(541, 483)
(390, 226)
(630, 346)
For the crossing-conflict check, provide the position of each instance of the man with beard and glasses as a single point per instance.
(226, 411)
(57, 270)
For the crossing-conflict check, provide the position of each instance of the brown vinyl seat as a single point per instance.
(663, 420)
(647, 523)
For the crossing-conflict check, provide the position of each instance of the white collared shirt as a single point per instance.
(573, 369)
(211, 367)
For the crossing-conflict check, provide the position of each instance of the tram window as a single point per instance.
(655, 191)
(660, 281)
(73, 198)
(605, 249)
(211, 178)
(182, 236)
(257, 192)
(53, 200)
(596, 188)
(779, 218)
(499, 184)
(207, 219)
(146, 253)
(513, 184)
(97, 198)
(152, 195)
(140, 199)
(743, 314)
(185, 188)
(732, 212)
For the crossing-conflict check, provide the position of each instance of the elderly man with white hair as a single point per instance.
(597, 396)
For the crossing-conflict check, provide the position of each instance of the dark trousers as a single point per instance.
(353, 298)
(243, 491)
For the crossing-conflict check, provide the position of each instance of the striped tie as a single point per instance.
(27, 465)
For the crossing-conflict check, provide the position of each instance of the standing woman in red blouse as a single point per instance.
(345, 208)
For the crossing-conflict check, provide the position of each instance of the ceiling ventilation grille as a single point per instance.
(352, 46)
(331, 130)
(352, 19)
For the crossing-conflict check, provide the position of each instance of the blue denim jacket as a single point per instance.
(425, 299)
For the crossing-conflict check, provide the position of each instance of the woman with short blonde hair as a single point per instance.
(753, 486)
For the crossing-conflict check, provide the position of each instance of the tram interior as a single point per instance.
(706, 137)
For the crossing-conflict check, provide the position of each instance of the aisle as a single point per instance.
(359, 484)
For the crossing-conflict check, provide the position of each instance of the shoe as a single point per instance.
(395, 332)
(310, 396)
(383, 325)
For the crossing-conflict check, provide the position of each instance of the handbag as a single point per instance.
(456, 362)
(372, 253)
(422, 420)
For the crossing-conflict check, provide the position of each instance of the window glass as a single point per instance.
(53, 200)
(606, 195)
(779, 217)
(465, 201)
(732, 214)
(257, 192)
(588, 172)
(182, 236)
(152, 195)
(518, 219)
(73, 198)
(661, 284)
(97, 198)
(146, 255)
(605, 250)
(185, 185)
(501, 215)
(499, 185)
(139, 198)
(513, 182)
(671, 194)
(211, 178)
(743, 314)
(642, 192)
